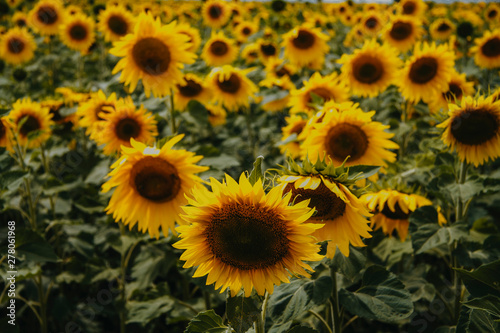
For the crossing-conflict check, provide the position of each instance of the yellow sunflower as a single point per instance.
(30, 123)
(304, 45)
(153, 53)
(115, 22)
(231, 87)
(492, 13)
(403, 32)
(91, 111)
(294, 125)
(246, 29)
(195, 89)
(77, 32)
(414, 8)
(216, 13)
(487, 50)
(267, 50)
(458, 87)
(350, 133)
(473, 129)
(441, 29)
(279, 68)
(219, 50)
(427, 72)
(6, 136)
(17, 46)
(151, 185)
(328, 88)
(242, 237)
(20, 19)
(250, 53)
(46, 16)
(216, 115)
(371, 69)
(193, 35)
(284, 85)
(372, 23)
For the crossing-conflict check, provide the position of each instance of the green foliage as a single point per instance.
(207, 322)
(242, 312)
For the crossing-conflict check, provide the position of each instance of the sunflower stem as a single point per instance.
(27, 184)
(42, 303)
(404, 119)
(173, 127)
(321, 319)
(334, 300)
(45, 162)
(251, 136)
(260, 325)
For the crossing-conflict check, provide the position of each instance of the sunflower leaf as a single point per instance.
(473, 320)
(207, 321)
(488, 303)
(349, 266)
(242, 312)
(256, 172)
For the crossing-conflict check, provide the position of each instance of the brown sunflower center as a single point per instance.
(297, 128)
(246, 31)
(15, 45)
(282, 72)
(218, 48)
(29, 125)
(215, 11)
(409, 8)
(397, 214)
(47, 14)
(247, 236)
(423, 70)
(345, 140)
(268, 49)
(367, 69)
(155, 179)
(190, 89)
(324, 93)
(492, 13)
(491, 48)
(371, 23)
(231, 85)
(118, 25)
(127, 128)
(151, 55)
(454, 92)
(100, 108)
(78, 32)
(443, 27)
(304, 40)
(327, 204)
(401, 30)
(474, 127)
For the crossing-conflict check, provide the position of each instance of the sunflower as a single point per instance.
(458, 87)
(487, 50)
(243, 237)
(153, 53)
(403, 32)
(279, 68)
(245, 29)
(91, 111)
(193, 35)
(30, 123)
(219, 50)
(6, 136)
(20, 19)
(46, 16)
(71, 97)
(492, 13)
(231, 87)
(294, 125)
(250, 53)
(427, 72)
(371, 69)
(267, 50)
(77, 32)
(473, 129)
(328, 88)
(415, 8)
(216, 13)
(441, 29)
(115, 22)
(194, 88)
(392, 210)
(17, 46)
(350, 133)
(304, 45)
(216, 115)
(372, 23)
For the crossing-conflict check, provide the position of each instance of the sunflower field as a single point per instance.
(237, 166)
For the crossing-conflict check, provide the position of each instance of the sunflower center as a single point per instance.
(454, 92)
(345, 140)
(474, 128)
(268, 49)
(100, 108)
(492, 13)
(215, 11)
(78, 32)
(155, 179)
(29, 125)
(151, 55)
(127, 128)
(397, 214)
(118, 25)
(304, 40)
(246, 236)
(491, 48)
(371, 23)
(246, 31)
(443, 27)
(282, 72)
(423, 70)
(368, 69)
(324, 93)
(47, 14)
(409, 7)
(231, 85)
(218, 48)
(297, 128)
(190, 89)
(401, 30)
(15, 45)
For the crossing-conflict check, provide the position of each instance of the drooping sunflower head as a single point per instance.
(193, 35)
(403, 32)
(91, 112)
(231, 87)
(154, 53)
(304, 44)
(487, 50)
(151, 184)
(473, 129)
(115, 22)
(216, 13)
(219, 50)
(46, 16)
(458, 87)
(17, 46)
(194, 88)
(242, 237)
(77, 32)
(442, 29)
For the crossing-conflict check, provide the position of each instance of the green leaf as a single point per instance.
(221, 162)
(348, 266)
(207, 321)
(488, 303)
(301, 329)
(256, 173)
(143, 312)
(198, 112)
(12, 179)
(483, 280)
(381, 297)
(475, 321)
(242, 312)
(391, 250)
(34, 247)
(291, 299)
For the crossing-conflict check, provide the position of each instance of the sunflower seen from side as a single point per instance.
(193, 35)
(151, 184)
(304, 44)
(458, 87)
(216, 115)
(473, 129)
(294, 126)
(194, 88)
(231, 88)
(216, 13)
(91, 111)
(115, 22)
(219, 50)
(487, 50)
(17, 46)
(46, 16)
(77, 32)
(241, 237)
(403, 32)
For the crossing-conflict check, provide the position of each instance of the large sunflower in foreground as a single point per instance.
(458, 87)
(473, 129)
(30, 122)
(231, 87)
(304, 45)
(215, 13)
(392, 210)
(154, 53)
(487, 50)
(17, 46)
(91, 111)
(115, 22)
(371, 69)
(427, 72)
(242, 237)
(219, 50)
(350, 133)
(151, 185)
(46, 16)
(403, 32)
(77, 32)
(194, 88)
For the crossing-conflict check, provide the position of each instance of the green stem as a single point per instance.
(337, 325)
(260, 324)
(206, 298)
(43, 304)
(45, 162)
(404, 119)
(251, 136)
(172, 113)
(321, 319)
